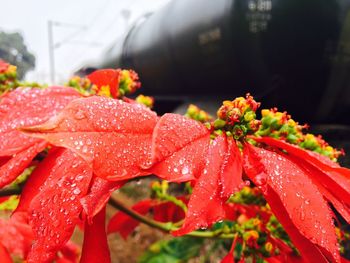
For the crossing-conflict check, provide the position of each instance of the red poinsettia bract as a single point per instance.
(102, 131)
(26, 107)
(296, 202)
(206, 205)
(114, 137)
(331, 179)
(105, 142)
(162, 212)
(16, 238)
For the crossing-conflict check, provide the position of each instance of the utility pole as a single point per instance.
(126, 13)
(51, 51)
(53, 45)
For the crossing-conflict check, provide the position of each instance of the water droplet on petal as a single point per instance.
(184, 170)
(76, 191)
(56, 223)
(79, 115)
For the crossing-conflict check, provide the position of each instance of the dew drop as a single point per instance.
(184, 170)
(85, 149)
(56, 223)
(79, 178)
(76, 191)
(79, 115)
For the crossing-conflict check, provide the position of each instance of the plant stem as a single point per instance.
(10, 191)
(165, 227)
(120, 206)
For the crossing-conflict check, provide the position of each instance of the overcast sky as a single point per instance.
(102, 19)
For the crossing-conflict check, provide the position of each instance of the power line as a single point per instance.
(95, 18)
(97, 34)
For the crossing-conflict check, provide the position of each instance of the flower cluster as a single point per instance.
(280, 125)
(81, 84)
(145, 100)
(129, 82)
(195, 113)
(114, 83)
(238, 117)
(8, 77)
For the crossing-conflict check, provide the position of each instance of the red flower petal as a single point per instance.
(4, 254)
(285, 258)
(98, 196)
(206, 205)
(231, 176)
(332, 180)
(179, 145)
(114, 136)
(55, 211)
(313, 158)
(168, 211)
(4, 160)
(308, 250)
(16, 236)
(26, 107)
(229, 258)
(70, 252)
(37, 179)
(332, 185)
(296, 202)
(124, 224)
(23, 107)
(106, 77)
(3, 66)
(233, 211)
(16, 165)
(4, 199)
(95, 247)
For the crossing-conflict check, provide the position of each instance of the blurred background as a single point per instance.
(81, 31)
(293, 54)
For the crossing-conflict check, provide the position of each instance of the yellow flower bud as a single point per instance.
(251, 234)
(165, 185)
(227, 103)
(292, 123)
(309, 136)
(268, 247)
(265, 112)
(279, 115)
(256, 222)
(329, 148)
(104, 91)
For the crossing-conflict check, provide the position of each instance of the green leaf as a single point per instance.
(150, 257)
(10, 204)
(172, 251)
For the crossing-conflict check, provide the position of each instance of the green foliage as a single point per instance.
(10, 204)
(249, 196)
(172, 251)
